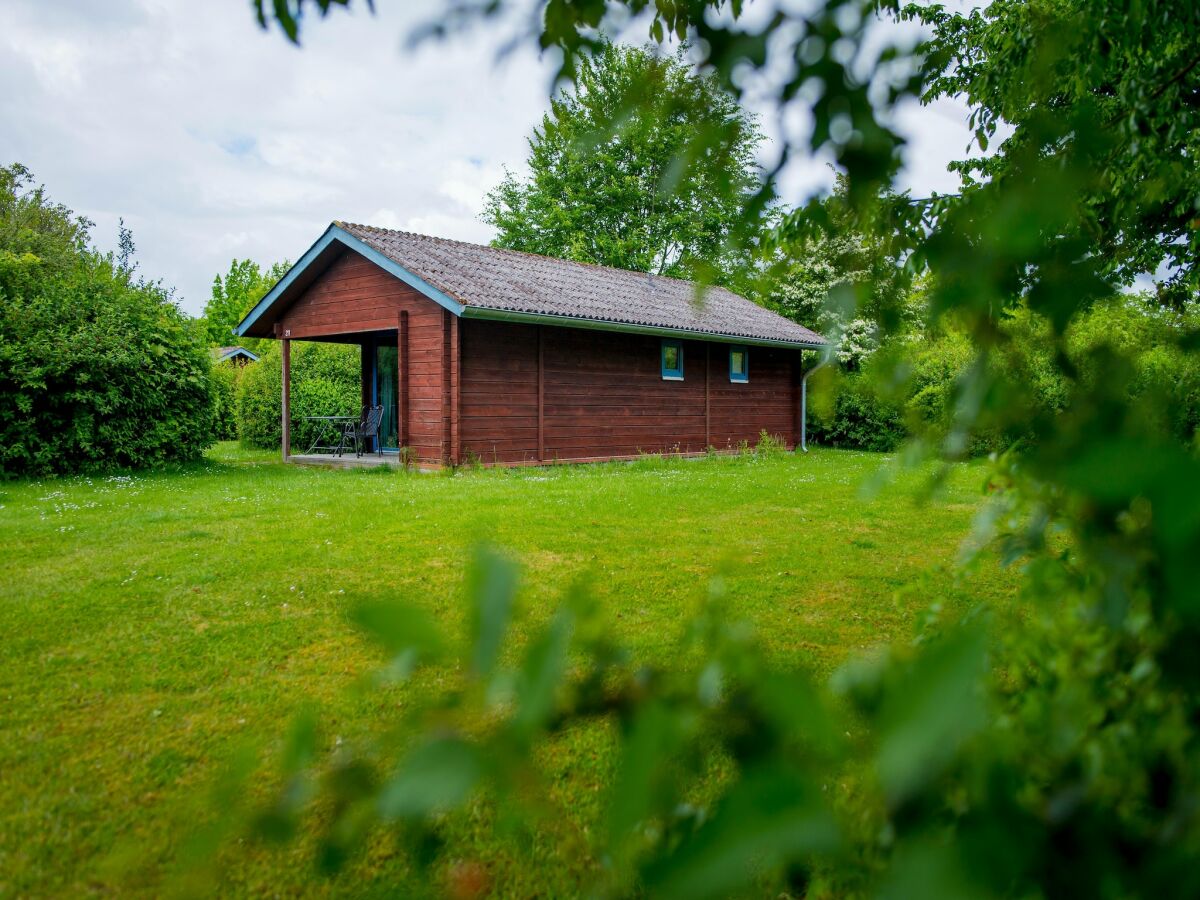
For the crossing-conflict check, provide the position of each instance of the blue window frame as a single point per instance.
(739, 364)
(672, 360)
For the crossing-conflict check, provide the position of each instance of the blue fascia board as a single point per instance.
(238, 351)
(334, 233)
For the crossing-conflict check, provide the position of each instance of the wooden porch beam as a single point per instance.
(455, 390)
(286, 415)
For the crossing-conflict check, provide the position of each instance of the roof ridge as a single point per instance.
(527, 253)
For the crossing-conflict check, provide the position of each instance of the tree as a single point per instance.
(605, 184)
(234, 295)
(99, 369)
(841, 280)
(1131, 76)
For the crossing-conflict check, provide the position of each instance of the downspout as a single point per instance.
(804, 403)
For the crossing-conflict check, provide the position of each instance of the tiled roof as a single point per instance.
(488, 278)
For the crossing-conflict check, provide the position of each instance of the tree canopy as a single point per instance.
(99, 369)
(645, 165)
(234, 295)
(844, 281)
(1109, 90)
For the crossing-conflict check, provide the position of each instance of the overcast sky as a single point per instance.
(214, 139)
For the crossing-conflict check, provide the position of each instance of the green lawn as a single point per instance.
(154, 624)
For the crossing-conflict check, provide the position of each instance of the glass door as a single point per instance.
(385, 393)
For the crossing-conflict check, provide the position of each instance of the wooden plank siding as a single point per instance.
(498, 413)
(583, 394)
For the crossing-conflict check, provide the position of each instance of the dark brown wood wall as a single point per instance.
(354, 295)
(602, 394)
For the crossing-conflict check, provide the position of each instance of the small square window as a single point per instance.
(739, 364)
(672, 360)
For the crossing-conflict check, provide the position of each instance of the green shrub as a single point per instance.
(225, 384)
(862, 418)
(98, 369)
(911, 386)
(1150, 336)
(326, 381)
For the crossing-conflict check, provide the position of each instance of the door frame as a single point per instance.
(372, 347)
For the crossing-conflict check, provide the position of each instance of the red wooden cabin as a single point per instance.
(510, 358)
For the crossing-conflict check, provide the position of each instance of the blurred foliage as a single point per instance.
(908, 387)
(1107, 90)
(645, 165)
(99, 369)
(326, 381)
(288, 14)
(233, 296)
(1055, 757)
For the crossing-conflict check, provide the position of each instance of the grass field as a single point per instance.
(153, 624)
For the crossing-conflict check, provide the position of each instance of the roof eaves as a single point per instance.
(509, 315)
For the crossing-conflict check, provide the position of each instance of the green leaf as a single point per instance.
(491, 585)
(653, 738)
(771, 816)
(930, 710)
(926, 870)
(542, 672)
(795, 707)
(435, 777)
(301, 746)
(399, 627)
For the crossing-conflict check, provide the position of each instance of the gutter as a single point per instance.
(804, 402)
(504, 315)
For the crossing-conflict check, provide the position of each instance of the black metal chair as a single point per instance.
(367, 427)
(349, 428)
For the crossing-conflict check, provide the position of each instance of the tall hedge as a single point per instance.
(98, 368)
(225, 378)
(326, 381)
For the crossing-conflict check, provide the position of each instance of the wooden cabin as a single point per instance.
(478, 353)
(233, 356)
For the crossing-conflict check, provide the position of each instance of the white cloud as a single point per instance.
(213, 139)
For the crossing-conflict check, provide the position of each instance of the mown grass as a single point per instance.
(155, 624)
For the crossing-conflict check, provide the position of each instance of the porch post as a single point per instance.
(455, 391)
(286, 356)
(366, 358)
(402, 430)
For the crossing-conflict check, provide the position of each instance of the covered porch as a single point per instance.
(382, 355)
